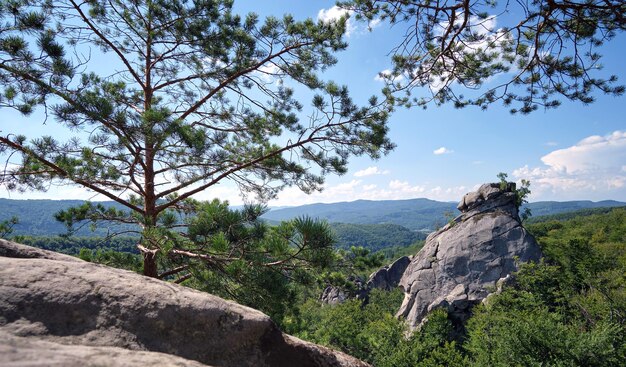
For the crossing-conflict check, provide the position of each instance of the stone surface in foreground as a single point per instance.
(50, 298)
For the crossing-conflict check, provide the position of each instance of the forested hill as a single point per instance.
(415, 214)
(374, 236)
(556, 207)
(36, 216)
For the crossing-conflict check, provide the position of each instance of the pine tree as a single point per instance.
(191, 95)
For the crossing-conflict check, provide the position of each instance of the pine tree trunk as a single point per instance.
(150, 265)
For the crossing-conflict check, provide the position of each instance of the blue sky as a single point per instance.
(574, 152)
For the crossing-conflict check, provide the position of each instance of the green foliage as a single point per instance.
(395, 252)
(568, 215)
(521, 194)
(568, 310)
(116, 259)
(414, 214)
(73, 245)
(349, 267)
(195, 95)
(6, 226)
(454, 50)
(374, 236)
(539, 337)
(371, 332)
(236, 255)
(37, 218)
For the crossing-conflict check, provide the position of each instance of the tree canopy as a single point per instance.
(544, 50)
(191, 95)
(159, 100)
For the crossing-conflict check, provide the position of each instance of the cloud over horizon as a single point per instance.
(370, 171)
(593, 165)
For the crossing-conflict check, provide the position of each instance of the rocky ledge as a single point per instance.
(57, 310)
(461, 263)
(385, 278)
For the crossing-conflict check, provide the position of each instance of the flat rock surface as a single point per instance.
(461, 263)
(54, 299)
(18, 351)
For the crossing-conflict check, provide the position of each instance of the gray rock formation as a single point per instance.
(19, 351)
(333, 295)
(89, 310)
(388, 277)
(461, 263)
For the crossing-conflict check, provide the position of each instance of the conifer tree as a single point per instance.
(525, 54)
(189, 95)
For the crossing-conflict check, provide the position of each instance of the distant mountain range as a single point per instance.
(416, 214)
(424, 215)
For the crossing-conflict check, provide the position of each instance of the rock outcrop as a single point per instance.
(333, 295)
(71, 310)
(461, 263)
(19, 351)
(388, 277)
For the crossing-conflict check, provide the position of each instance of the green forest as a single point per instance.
(567, 310)
(151, 107)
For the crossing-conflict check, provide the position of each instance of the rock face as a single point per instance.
(71, 310)
(462, 262)
(333, 295)
(388, 277)
(19, 351)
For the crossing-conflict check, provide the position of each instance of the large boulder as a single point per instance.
(50, 298)
(18, 351)
(461, 263)
(333, 295)
(385, 278)
(388, 277)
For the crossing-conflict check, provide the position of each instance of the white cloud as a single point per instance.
(594, 167)
(590, 154)
(334, 14)
(387, 76)
(356, 190)
(374, 23)
(369, 187)
(442, 150)
(268, 72)
(405, 188)
(370, 171)
(551, 144)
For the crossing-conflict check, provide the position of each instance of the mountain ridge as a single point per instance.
(425, 215)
